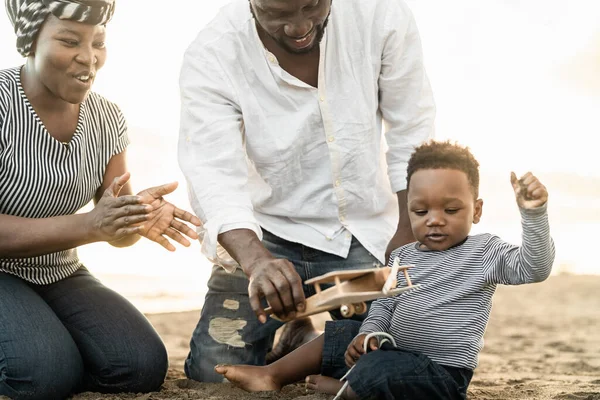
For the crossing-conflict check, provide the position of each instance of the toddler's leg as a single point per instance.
(391, 374)
(324, 355)
(296, 365)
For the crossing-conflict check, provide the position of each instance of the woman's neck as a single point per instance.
(40, 97)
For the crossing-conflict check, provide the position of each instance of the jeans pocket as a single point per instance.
(421, 363)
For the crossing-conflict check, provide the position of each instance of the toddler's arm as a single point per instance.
(531, 262)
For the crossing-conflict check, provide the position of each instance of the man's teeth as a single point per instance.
(84, 78)
(302, 40)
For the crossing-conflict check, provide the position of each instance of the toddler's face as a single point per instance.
(442, 207)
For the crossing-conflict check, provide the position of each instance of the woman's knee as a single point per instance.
(53, 373)
(151, 367)
(140, 368)
(38, 357)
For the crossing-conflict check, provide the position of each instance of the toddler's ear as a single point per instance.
(477, 211)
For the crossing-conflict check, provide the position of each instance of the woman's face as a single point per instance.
(67, 56)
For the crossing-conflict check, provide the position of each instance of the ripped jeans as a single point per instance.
(229, 332)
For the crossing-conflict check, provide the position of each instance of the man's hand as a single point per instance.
(272, 278)
(356, 349)
(275, 279)
(529, 191)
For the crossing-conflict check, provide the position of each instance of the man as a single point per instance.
(281, 145)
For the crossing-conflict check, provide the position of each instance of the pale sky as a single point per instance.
(516, 80)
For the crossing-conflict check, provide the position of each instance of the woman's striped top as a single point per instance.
(445, 318)
(41, 177)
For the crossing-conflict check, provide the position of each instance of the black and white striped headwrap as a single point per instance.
(27, 16)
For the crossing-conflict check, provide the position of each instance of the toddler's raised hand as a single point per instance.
(356, 349)
(529, 191)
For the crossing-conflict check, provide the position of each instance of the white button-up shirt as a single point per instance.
(261, 148)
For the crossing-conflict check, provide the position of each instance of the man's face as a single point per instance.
(295, 25)
(442, 207)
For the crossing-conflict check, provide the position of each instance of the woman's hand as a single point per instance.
(115, 217)
(529, 191)
(165, 220)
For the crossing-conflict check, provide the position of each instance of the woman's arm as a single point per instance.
(112, 219)
(28, 237)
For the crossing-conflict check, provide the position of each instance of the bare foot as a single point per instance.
(327, 385)
(295, 334)
(323, 384)
(249, 377)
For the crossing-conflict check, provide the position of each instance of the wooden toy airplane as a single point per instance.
(351, 290)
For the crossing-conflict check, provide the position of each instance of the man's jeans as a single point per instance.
(74, 335)
(230, 333)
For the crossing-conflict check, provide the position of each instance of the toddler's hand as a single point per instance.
(529, 191)
(356, 349)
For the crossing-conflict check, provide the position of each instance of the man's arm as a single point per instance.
(275, 279)
(403, 233)
(213, 159)
(406, 104)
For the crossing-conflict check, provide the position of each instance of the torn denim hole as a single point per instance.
(227, 331)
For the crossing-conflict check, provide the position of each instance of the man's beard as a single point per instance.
(319, 33)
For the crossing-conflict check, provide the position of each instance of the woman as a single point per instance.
(61, 330)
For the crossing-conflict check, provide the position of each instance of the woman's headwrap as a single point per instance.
(27, 16)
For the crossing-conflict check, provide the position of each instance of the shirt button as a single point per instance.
(330, 139)
(342, 218)
(348, 235)
(188, 139)
(272, 58)
(338, 183)
(321, 99)
(329, 239)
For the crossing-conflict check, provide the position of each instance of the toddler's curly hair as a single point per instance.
(445, 155)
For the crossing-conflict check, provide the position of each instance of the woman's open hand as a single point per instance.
(165, 220)
(115, 217)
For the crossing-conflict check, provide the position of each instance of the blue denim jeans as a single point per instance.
(74, 335)
(390, 373)
(229, 332)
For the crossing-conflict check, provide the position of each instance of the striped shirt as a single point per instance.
(41, 177)
(445, 318)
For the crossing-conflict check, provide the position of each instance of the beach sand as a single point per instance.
(542, 342)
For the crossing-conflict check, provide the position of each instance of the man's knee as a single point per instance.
(228, 333)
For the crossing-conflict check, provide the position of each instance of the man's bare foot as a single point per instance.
(327, 385)
(295, 334)
(248, 377)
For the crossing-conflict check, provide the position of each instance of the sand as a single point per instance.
(542, 342)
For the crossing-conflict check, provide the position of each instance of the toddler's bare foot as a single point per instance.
(248, 377)
(325, 384)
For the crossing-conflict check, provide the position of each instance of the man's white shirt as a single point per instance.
(261, 148)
